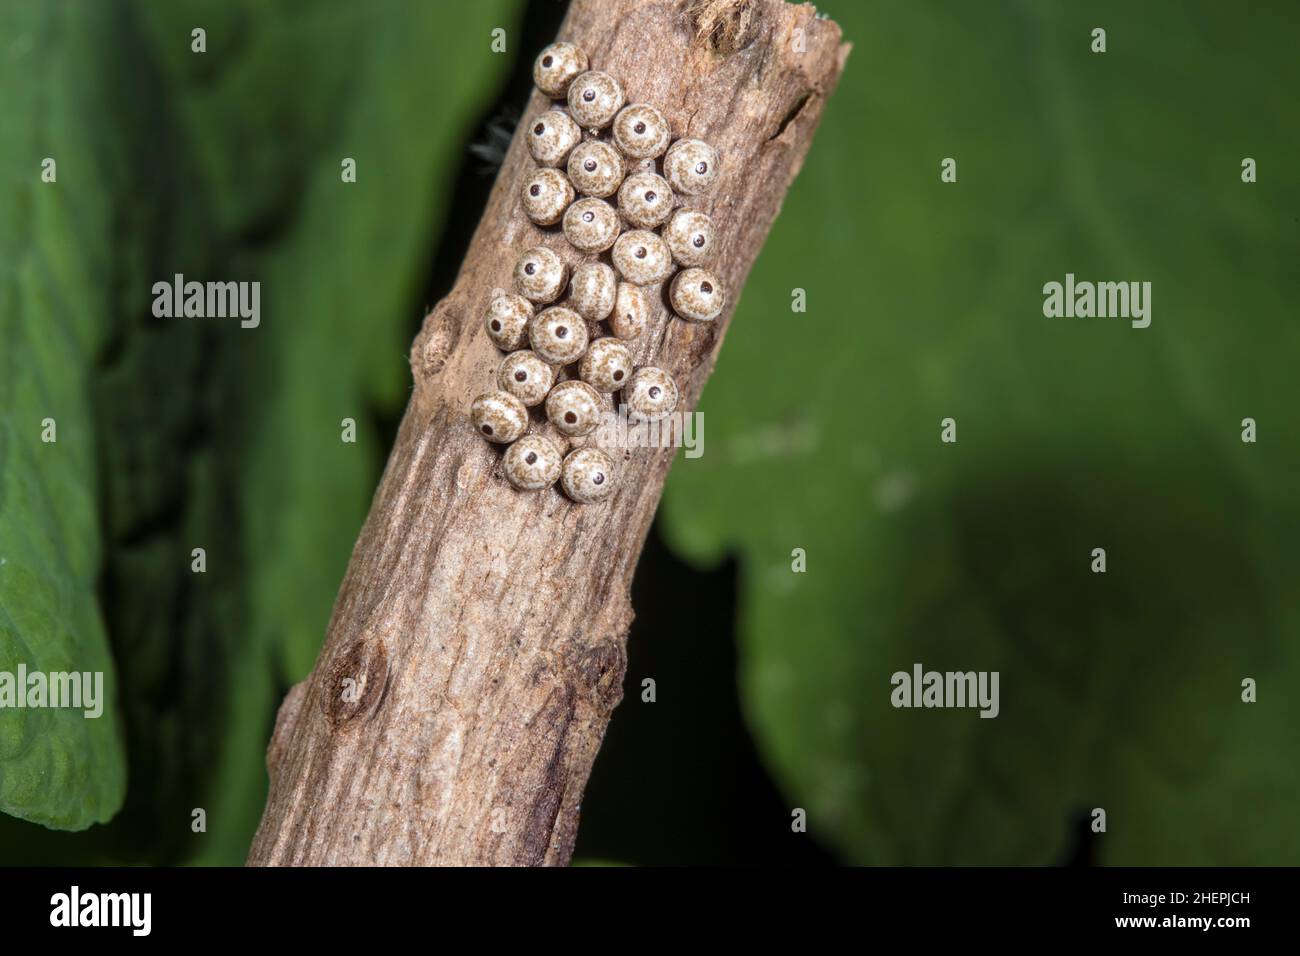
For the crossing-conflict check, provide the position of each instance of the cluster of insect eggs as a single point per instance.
(584, 186)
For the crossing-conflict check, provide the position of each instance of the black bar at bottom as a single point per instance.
(343, 907)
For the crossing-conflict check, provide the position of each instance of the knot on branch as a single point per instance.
(598, 672)
(355, 683)
(436, 342)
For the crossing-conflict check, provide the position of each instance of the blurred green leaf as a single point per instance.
(58, 767)
(339, 264)
(1120, 690)
(226, 165)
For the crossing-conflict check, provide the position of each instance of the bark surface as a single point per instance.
(477, 646)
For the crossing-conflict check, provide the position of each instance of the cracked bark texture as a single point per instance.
(477, 646)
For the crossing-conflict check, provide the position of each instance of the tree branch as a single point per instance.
(483, 629)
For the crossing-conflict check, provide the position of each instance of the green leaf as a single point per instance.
(58, 767)
(1118, 690)
(226, 166)
(400, 96)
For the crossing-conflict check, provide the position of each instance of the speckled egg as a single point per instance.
(593, 290)
(587, 475)
(558, 335)
(697, 294)
(641, 257)
(546, 194)
(498, 417)
(595, 169)
(594, 99)
(651, 395)
(689, 235)
(540, 275)
(591, 225)
(641, 131)
(533, 462)
(506, 321)
(525, 376)
(631, 315)
(552, 137)
(556, 66)
(607, 366)
(691, 166)
(574, 408)
(645, 200)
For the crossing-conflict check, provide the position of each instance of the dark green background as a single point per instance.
(924, 301)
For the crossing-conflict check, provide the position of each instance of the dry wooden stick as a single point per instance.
(478, 642)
